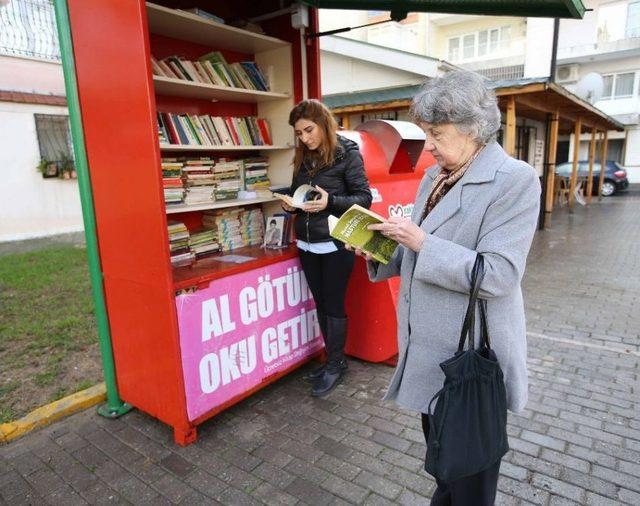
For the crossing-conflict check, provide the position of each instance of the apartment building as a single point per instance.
(606, 42)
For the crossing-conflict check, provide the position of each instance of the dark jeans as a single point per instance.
(475, 490)
(328, 275)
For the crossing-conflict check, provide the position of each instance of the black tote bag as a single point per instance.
(468, 428)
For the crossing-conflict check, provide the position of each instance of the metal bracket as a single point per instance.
(396, 16)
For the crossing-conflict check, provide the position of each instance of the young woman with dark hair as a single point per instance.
(333, 165)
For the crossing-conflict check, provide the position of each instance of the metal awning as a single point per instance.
(521, 8)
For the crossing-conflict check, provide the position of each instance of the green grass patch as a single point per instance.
(47, 328)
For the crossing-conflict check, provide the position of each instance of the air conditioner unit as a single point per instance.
(567, 74)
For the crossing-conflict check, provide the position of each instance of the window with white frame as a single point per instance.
(479, 44)
(633, 19)
(620, 85)
(454, 49)
(611, 21)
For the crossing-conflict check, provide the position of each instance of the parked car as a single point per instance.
(615, 175)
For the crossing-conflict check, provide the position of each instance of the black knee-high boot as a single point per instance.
(336, 363)
(314, 374)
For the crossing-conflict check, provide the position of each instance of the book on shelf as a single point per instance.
(303, 194)
(179, 249)
(235, 228)
(351, 228)
(204, 180)
(212, 68)
(206, 130)
(172, 184)
(204, 242)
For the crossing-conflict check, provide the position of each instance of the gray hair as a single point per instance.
(461, 98)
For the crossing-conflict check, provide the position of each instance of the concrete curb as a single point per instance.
(51, 412)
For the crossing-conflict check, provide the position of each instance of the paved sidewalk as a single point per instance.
(578, 442)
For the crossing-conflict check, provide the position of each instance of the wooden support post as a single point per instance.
(604, 145)
(345, 122)
(592, 155)
(552, 149)
(576, 154)
(510, 134)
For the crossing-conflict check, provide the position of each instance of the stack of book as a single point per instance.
(255, 176)
(252, 226)
(172, 181)
(204, 242)
(181, 253)
(212, 68)
(226, 225)
(206, 130)
(227, 176)
(199, 180)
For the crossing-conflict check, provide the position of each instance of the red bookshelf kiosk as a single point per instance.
(188, 342)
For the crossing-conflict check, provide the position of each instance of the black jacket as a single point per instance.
(346, 183)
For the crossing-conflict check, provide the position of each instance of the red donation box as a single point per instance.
(395, 161)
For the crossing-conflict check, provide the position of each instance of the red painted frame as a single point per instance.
(118, 104)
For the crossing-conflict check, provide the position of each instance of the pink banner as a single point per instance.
(243, 329)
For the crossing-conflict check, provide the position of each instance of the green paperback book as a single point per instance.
(351, 229)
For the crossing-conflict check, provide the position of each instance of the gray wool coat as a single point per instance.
(493, 210)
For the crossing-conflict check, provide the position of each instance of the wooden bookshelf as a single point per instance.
(189, 89)
(190, 27)
(275, 58)
(183, 208)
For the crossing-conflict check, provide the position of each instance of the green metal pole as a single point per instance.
(114, 407)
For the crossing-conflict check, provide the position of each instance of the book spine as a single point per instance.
(188, 130)
(167, 69)
(252, 73)
(223, 131)
(174, 138)
(242, 75)
(182, 136)
(260, 75)
(176, 64)
(264, 130)
(194, 129)
(253, 123)
(202, 73)
(213, 75)
(201, 131)
(206, 123)
(232, 130)
(191, 70)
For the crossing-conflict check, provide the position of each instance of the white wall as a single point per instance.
(31, 206)
(578, 32)
(342, 74)
(539, 39)
(632, 154)
(31, 76)
(332, 19)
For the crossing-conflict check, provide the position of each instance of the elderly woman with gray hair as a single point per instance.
(476, 200)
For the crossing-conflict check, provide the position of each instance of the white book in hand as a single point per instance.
(301, 196)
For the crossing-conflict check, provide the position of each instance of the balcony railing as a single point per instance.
(613, 46)
(500, 73)
(28, 28)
